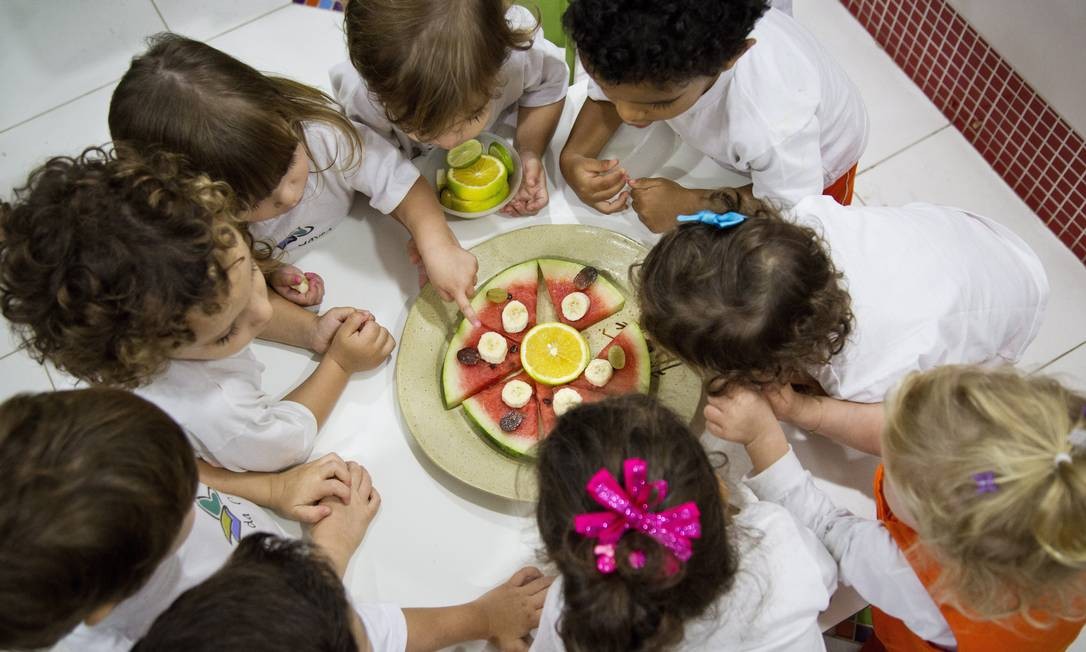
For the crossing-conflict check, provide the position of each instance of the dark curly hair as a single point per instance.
(95, 485)
(273, 594)
(659, 42)
(756, 303)
(103, 257)
(631, 609)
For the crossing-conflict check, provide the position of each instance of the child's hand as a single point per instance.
(741, 415)
(342, 530)
(296, 492)
(532, 195)
(453, 271)
(598, 183)
(325, 326)
(797, 409)
(287, 280)
(658, 202)
(512, 609)
(360, 343)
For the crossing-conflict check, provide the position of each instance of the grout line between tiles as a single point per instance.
(62, 104)
(913, 144)
(160, 16)
(251, 20)
(1058, 358)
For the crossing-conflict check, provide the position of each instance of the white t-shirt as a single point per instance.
(378, 171)
(230, 421)
(868, 558)
(786, 114)
(785, 579)
(220, 522)
(535, 77)
(930, 285)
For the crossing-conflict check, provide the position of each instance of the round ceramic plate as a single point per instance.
(446, 436)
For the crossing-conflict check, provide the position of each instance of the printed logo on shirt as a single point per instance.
(294, 236)
(212, 504)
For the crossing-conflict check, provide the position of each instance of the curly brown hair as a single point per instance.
(756, 303)
(630, 609)
(429, 63)
(103, 257)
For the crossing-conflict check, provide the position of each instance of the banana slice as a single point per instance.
(516, 393)
(565, 400)
(514, 317)
(575, 305)
(492, 347)
(302, 286)
(598, 372)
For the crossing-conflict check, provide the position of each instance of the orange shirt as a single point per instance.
(1007, 635)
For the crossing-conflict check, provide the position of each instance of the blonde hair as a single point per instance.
(1021, 547)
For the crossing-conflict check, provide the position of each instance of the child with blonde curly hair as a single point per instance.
(427, 74)
(842, 301)
(980, 542)
(136, 272)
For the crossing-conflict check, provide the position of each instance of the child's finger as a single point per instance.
(465, 307)
(311, 513)
(602, 182)
(350, 325)
(599, 165)
(337, 489)
(333, 466)
(374, 503)
(525, 575)
(613, 205)
(609, 191)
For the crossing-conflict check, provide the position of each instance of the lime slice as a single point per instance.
(499, 151)
(554, 353)
(464, 154)
(449, 200)
(481, 180)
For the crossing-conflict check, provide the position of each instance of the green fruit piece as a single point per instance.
(480, 180)
(440, 180)
(500, 152)
(464, 154)
(497, 295)
(449, 200)
(617, 357)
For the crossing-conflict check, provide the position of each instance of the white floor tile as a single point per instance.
(297, 42)
(899, 111)
(19, 373)
(202, 19)
(51, 54)
(64, 131)
(1070, 368)
(945, 169)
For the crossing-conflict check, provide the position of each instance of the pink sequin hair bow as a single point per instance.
(631, 509)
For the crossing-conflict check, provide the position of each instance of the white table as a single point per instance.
(437, 541)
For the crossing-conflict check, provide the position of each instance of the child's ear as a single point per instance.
(100, 613)
(748, 44)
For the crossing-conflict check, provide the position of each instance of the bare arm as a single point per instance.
(856, 425)
(593, 128)
(597, 183)
(536, 125)
(290, 323)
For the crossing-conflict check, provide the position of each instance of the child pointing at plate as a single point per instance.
(980, 542)
(740, 82)
(426, 73)
(293, 160)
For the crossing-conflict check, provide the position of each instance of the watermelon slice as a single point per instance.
(633, 378)
(604, 298)
(545, 394)
(487, 411)
(458, 380)
(521, 281)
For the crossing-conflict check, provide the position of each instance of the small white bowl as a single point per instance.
(435, 160)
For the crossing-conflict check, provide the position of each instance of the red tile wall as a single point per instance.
(1035, 151)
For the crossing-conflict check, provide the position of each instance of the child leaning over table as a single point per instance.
(426, 73)
(980, 542)
(138, 273)
(740, 82)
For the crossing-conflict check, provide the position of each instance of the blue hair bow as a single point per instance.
(719, 220)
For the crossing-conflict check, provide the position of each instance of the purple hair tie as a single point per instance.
(986, 482)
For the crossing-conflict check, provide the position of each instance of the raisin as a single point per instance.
(468, 355)
(547, 401)
(514, 348)
(493, 366)
(587, 276)
(511, 421)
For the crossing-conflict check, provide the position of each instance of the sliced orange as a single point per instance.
(554, 353)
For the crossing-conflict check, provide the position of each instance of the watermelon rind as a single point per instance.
(526, 272)
(517, 447)
(450, 391)
(644, 361)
